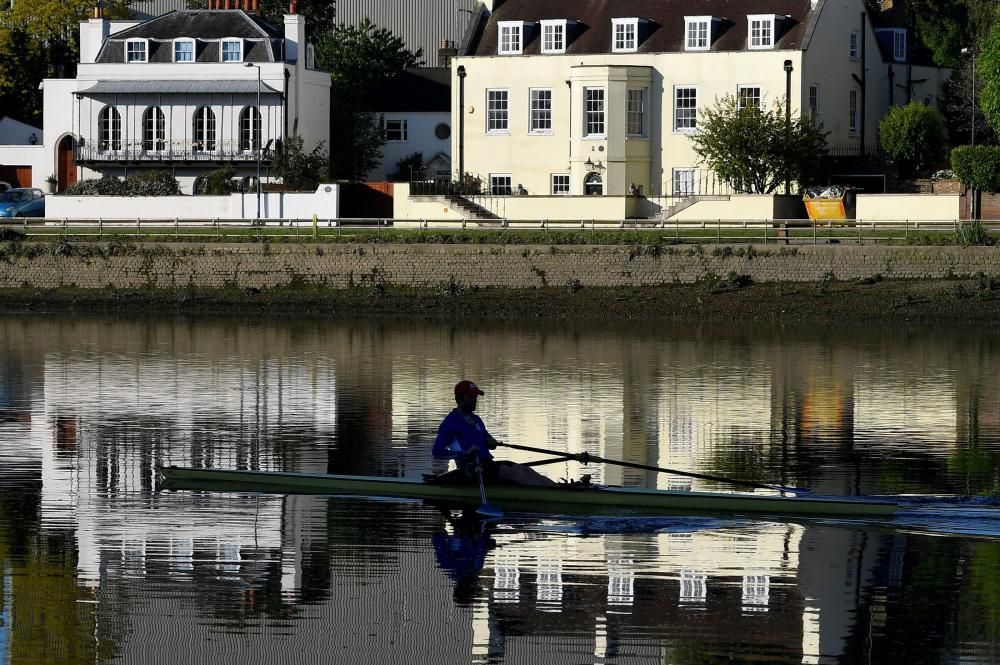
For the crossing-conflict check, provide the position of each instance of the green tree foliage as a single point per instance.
(41, 39)
(912, 136)
(143, 183)
(408, 166)
(300, 170)
(957, 107)
(359, 58)
(753, 150)
(978, 167)
(988, 64)
(947, 26)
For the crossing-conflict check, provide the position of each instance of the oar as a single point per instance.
(485, 509)
(586, 458)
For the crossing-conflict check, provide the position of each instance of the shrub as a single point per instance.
(105, 186)
(977, 166)
(912, 136)
(152, 183)
(972, 233)
(218, 182)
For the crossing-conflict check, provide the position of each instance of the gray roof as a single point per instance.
(262, 41)
(177, 87)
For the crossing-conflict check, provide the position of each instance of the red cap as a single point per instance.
(467, 389)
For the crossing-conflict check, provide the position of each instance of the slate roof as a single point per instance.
(662, 31)
(419, 89)
(262, 41)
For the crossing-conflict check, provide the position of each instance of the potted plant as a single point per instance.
(52, 182)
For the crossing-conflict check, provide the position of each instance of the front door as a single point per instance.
(67, 164)
(593, 184)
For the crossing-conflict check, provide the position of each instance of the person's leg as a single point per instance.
(517, 474)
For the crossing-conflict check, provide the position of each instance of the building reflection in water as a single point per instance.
(88, 419)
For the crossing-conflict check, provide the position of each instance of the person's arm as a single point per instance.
(445, 444)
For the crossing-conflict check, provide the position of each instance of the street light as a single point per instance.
(255, 134)
(972, 52)
(461, 128)
(788, 121)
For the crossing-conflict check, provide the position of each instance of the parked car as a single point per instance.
(22, 202)
(4, 186)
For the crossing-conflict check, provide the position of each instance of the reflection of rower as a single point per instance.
(463, 437)
(461, 552)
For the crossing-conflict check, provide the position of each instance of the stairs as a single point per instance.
(689, 201)
(469, 210)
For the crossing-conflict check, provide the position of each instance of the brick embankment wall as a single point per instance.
(252, 266)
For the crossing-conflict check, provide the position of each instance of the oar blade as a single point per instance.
(489, 511)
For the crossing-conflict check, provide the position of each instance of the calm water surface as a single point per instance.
(98, 565)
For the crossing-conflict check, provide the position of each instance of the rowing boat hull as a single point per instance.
(528, 498)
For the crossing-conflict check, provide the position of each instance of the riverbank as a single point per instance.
(828, 301)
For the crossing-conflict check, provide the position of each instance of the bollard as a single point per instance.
(315, 227)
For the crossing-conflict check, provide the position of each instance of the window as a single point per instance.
(310, 56)
(685, 182)
(500, 184)
(625, 33)
(510, 37)
(593, 112)
(696, 32)
(814, 105)
(760, 31)
(496, 111)
(183, 50)
(635, 112)
(541, 111)
(855, 46)
(204, 130)
(109, 129)
(560, 183)
(154, 130)
(395, 131)
(250, 129)
(232, 50)
(852, 122)
(593, 185)
(748, 95)
(685, 109)
(136, 50)
(554, 36)
(899, 46)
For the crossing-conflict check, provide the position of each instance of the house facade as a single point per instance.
(568, 97)
(187, 92)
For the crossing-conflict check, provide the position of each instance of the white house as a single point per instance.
(21, 153)
(187, 92)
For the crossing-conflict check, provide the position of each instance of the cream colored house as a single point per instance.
(574, 97)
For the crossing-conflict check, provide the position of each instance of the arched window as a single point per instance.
(154, 130)
(204, 130)
(593, 184)
(109, 130)
(250, 129)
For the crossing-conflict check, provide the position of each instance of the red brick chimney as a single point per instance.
(256, 6)
(98, 12)
(294, 7)
(227, 5)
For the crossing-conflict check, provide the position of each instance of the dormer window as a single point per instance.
(899, 45)
(697, 33)
(625, 35)
(137, 50)
(183, 50)
(232, 50)
(511, 37)
(760, 31)
(554, 36)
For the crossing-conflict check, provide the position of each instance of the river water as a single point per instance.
(99, 565)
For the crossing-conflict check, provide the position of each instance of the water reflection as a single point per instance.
(90, 407)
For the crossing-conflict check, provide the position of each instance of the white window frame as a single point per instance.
(854, 46)
(145, 50)
(677, 177)
(251, 129)
(310, 56)
(497, 179)
(899, 45)
(766, 21)
(492, 111)
(194, 49)
(812, 100)
(693, 24)
(749, 86)
(854, 111)
(154, 129)
(631, 112)
(677, 128)
(562, 187)
(625, 44)
(512, 29)
(402, 130)
(554, 35)
(532, 109)
(222, 48)
(591, 109)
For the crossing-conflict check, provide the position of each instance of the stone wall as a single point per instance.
(254, 266)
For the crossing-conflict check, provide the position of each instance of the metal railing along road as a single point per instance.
(718, 231)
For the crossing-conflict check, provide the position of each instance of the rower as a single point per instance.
(463, 437)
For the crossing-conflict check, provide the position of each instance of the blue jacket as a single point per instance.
(456, 436)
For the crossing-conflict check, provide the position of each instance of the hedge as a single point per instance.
(977, 166)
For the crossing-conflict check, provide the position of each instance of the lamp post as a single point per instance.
(461, 128)
(972, 119)
(255, 134)
(788, 121)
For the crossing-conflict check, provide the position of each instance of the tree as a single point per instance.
(957, 108)
(753, 150)
(912, 136)
(300, 170)
(359, 58)
(988, 64)
(408, 165)
(947, 26)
